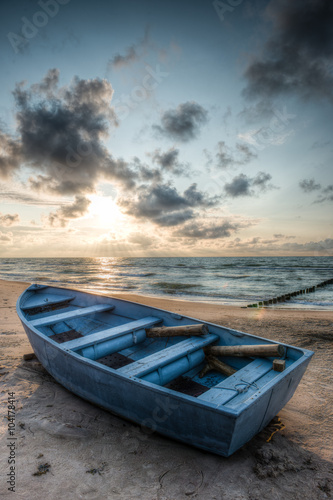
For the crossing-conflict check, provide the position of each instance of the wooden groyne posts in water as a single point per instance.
(288, 296)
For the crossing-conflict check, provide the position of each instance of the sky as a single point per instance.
(192, 128)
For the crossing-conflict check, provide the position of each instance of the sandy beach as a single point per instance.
(92, 454)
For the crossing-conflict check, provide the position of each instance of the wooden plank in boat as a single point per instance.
(111, 333)
(230, 387)
(83, 311)
(166, 356)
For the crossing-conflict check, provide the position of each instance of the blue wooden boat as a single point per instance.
(97, 347)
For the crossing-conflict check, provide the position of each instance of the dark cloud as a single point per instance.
(309, 185)
(298, 56)
(162, 204)
(182, 123)
(65, 213)
(174, 218)
(242, 185)
(49, 83)
(327, 194)
(227, 157)
(208, 230)
(132, 54)
(60, 136)
(246, 155)
(10, 155)
(324, 247)
(169, 162)
(121, 60)
(146, 173)
(8, 220)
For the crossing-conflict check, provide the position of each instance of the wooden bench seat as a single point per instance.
(169, 363)
(77, 313)
(231, 386)
(247, 396)
(99, 344)
(38, 301)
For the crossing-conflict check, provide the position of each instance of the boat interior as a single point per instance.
(112, 333)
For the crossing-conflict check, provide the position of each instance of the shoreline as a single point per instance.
(292, 457)
(135, 297)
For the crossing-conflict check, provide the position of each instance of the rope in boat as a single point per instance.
(242, 382)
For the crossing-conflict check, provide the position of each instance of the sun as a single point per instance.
(104, 210)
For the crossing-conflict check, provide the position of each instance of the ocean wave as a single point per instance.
(232, 276)
(136, 275)
(169, 287)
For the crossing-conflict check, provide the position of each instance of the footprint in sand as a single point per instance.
(184, 479)
(64, 430)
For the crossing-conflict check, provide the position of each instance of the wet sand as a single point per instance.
(92, 454)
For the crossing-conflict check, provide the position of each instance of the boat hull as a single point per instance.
(158, 409)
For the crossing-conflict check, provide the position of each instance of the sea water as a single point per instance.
(222, 280)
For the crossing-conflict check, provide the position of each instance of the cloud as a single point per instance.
(242, 185)
(64, 214)
(183, 123)
(322, 246)
(227, 157)
(309, 185)
(245, 155)
(297, 57)
(10, 155)
(327, 194)
(162, 204)
(206, 230)
(6, 238)
(16, 195)
(283, 236)
(49, 83)
(175, 218)
(145, 172)
(120, 61)
(258, 246)
(132, 54)
(260, 111)
(140, 239)
(169, 162)
(61, 133)
(8, 220)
